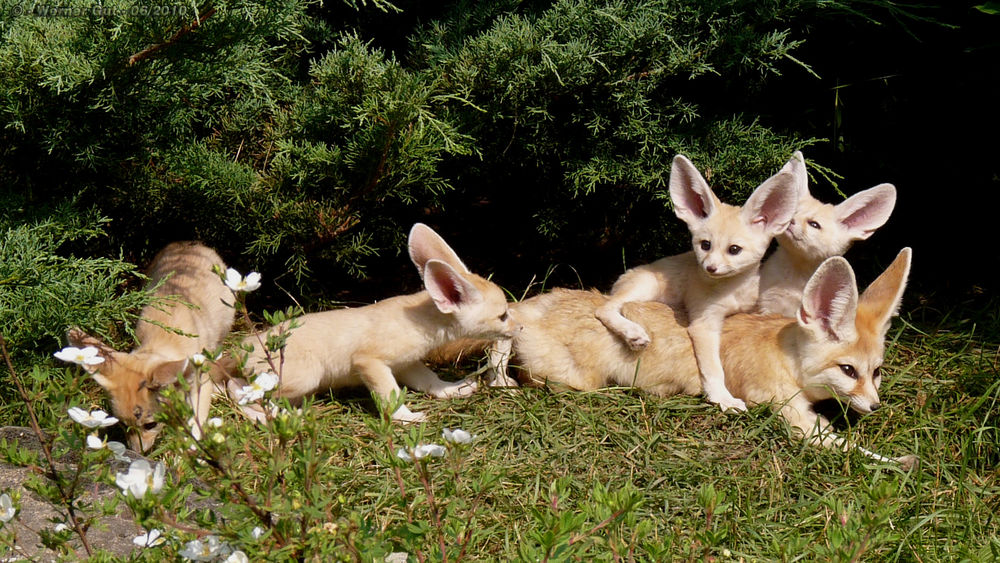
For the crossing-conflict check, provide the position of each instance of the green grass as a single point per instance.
(620, 475)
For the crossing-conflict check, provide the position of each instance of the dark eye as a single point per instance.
(735, 249)
(877, 373)
(706, 245)
(849, 371)
(503, 317)
(814, 225)
(150, 426)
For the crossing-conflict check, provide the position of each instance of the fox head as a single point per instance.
(842, 347)
(478, 306)
(729, 240)
(133, 382)
(821, 230)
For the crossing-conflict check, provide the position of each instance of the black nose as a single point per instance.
(711, 269)
(876, 406)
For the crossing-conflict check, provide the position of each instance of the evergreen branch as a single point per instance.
(149, 51)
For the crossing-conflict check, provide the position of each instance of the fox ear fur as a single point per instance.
(449, 290)
(80, 339)
(166, 373)
(425, 244)
(864, 212)
(830, 301)
(772, 205)
(880, 301)
(796, 166)
(691, 195)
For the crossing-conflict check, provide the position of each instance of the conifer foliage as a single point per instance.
(303, 136)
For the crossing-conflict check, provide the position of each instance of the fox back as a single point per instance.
(198, 310)
(817, 232)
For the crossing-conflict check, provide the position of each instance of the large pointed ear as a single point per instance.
(864, 212)
(80, 339)
(830, 301)
(425, 244)
(796, 166)
(880, 302)
(693, 199)
(772, 205)
(449, 290)
(166, 373)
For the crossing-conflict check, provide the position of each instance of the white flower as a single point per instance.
(237, 557)
(421, 451)
(236, 282)
(214, 422)
(141, 477)
(7, 509)
(457, 436)
(257, 532)
(255, 391)
(95, 442)
(198, 359)
(60, 527)
(86, 356)
(207, 550)
(151, 538)
(92, 419)
(118, 449)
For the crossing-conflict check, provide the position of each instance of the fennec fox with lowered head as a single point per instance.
(381, 344)
(833, 348)
(718, 278)
(200, 314)
(817, 231)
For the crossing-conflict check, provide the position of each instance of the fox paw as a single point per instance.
(462, 388)
(634, 335)
(728, 403)
(405, 416)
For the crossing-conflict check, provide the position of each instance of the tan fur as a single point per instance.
(767, 358)
(719, 278)
(818, 231)
(384, 343)
(133, 379)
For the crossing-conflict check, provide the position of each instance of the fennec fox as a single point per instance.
(718, 278)
(832, 349)
(203, 314)
(380, 344)
(818, 231)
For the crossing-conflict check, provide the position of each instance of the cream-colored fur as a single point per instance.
(818, 231)
(833, 349)
(200, 308)
(718, 278)
(381, 344)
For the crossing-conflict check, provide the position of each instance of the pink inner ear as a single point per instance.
(444, 285)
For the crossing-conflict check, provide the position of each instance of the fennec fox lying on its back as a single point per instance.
(134, 379)
(718, 278)
(380, 344)
(818, 231)
(832, 349)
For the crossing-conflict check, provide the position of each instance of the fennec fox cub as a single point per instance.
(380, 344)
(833, 348)
(203, 315)
(818, 231)
(718, 278)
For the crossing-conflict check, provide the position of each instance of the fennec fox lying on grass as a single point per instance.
(818, 231)
(134, 379)
(718, 278)
(832, 349)
(380, 344)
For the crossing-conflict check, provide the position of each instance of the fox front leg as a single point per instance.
(377, 376)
